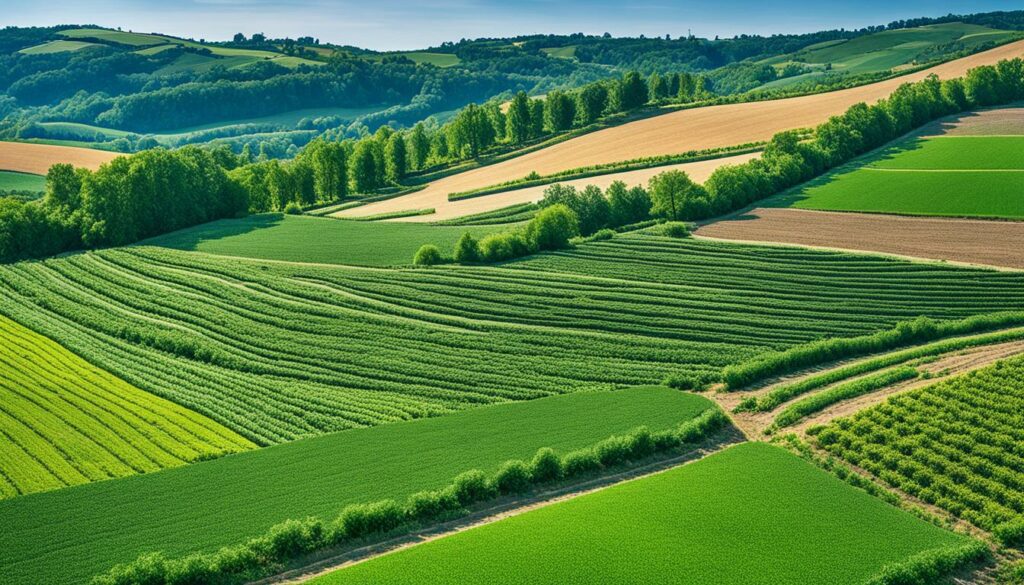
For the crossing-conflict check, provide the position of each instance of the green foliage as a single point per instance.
(675, 229)
(518, 119)
(680, 523)
(428, 255)
(293, 208)
(675, 196)
(467, 250)
(552, 228)
(822, 400)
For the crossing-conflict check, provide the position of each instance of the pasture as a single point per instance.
(955, 444)
(10, 181)
(302, 350)
(56, 47)
(426, 57)
(977, 176)
(752, 513)
(315, 239)
(233, 498)
(65, 422)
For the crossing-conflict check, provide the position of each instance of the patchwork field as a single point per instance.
(65, 422)
(37, 159)
(282, 351)
(315, 239)
(687, 525)
(956, 445)
(67, 536)
(690, 129)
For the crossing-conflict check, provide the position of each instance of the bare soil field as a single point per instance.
(432, 198)
(995, 122)
(685, 130)
(37, 159)
(981, 242)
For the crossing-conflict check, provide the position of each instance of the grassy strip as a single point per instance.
(771, 400)
(609, 168)
(932, 565)
(294, 539)
(394, 214)
(822, 400)
(391, 193)
(828, 350)
(511, 214)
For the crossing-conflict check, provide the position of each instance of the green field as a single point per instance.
(955, 444)
(316, 239)
(426, 57)
(69, 535)
(278, 351)
(561, 52)
(65, 422)
(114, 36)
(750, 514)
(56, 47)
(960, 176)
(11, 181)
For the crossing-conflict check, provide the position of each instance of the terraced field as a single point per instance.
(64, 422)
(67, 536)
(278, 351)
(729, 519)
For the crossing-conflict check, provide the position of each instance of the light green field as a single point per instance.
(114, 36)
(316, 239)
(230, 499)
(65, 422)
(561, 52)
(753, 513)
(959, 176)
(11, 181)
(437, 59)
(56, 47)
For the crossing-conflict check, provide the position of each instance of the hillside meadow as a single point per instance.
(67, 536)
(730, 518)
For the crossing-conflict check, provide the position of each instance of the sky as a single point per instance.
(411, 24)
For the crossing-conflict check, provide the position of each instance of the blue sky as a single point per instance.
(407, 24)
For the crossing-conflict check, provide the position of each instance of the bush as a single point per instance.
(931, 566)
(602, 235)
(427, 255)
(293, 208)
(504, 246)
(690, 381)
(471, 487)
(675, 229)
(513, 477)
(1010, 533)
(613, 450)
(552, 228)
(359, 520)
(546, 466)
(424, 506)
(466, 249)
(576, 463)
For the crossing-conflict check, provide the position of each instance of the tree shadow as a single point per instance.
(190, 238)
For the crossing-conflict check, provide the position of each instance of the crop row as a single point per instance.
(958, 444)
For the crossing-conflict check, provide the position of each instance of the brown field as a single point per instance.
(685, 130)
(37, 159)
(981, 242)
(444, 209)
(995, 122)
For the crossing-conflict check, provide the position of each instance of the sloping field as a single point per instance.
(278, 351)
(21, 182)
(692, 129)
(67, 536)
(64, 422)
(993, 122)
(316, 239)
(444, 209)
(37, 159)
(989, 243)
(56, 47)
(752, 513)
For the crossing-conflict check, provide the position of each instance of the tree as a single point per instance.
(467, 250)
(419, 147)
(427, 255)
(558, 111)
(552, 228)
(536, 118)
(632, 91)
(471, 131)
(329, 169)
(670, 192)
(591, 102)
(593, 210)
(364, 167)
(627, 205)
(395, 158)
(63, 188)
(658, 87)
(517, 120)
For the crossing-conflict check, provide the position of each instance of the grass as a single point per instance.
(315, 239)
(12, 181)
(437, 59)
(114, 36)
(976, 176)
(753, 513)
(568, 52)
(252, 343)
(65, 422)
(236, 497)
(56, 47)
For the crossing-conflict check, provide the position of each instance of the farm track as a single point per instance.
(27, 157)
(994, 244)
(680, 131)
(502, 510)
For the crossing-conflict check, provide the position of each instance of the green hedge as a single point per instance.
(930, 567)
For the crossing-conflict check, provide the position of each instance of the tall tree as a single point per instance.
(559, 111)
(591, 102)
(395, 158)
(364, 167)
(632, 91)
(419, 147)
(517, 120)
(670, 194)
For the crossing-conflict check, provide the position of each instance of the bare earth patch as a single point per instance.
(685, 130)
(996, 122)
(969, 241)
(26, 157)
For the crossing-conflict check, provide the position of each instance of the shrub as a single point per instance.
(427, 255)
(504, 246)
(675, 229)
(359, 520)
(472, 486)
(552, 228)
(466, 249)
(690, 381)
(641, 443)
(293, 208)
(580, 462)
(931, 566)
(546, 466)
(512, 477)
(613, 450)
(425, 506)
(602, 235)
(1010, 533)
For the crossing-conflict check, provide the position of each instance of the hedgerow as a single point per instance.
(930, 566)
(291, 540)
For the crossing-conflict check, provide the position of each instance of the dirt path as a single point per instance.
(502, 510)
(988, 243)
(684, 130)
(26, 157)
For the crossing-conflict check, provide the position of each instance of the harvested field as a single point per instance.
(444, 209)
(684, 130)
(989, 243)
(37, 159)
(995, 122)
